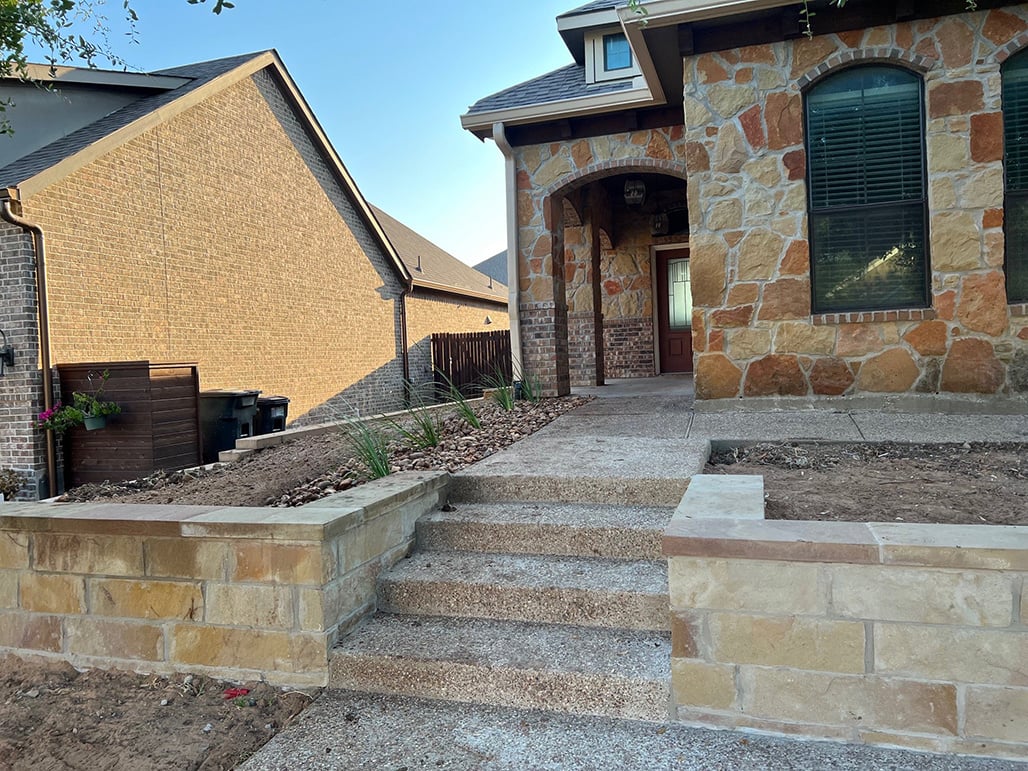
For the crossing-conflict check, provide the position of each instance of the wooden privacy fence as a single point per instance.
(467, 359)
(158, 427)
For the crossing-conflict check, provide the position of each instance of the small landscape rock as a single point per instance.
(208, 728)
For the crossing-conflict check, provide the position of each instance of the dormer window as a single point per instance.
(617, 55)
(608, 56)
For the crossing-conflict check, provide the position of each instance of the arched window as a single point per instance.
(866, 190)
(1015, 164)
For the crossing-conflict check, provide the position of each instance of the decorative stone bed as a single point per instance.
(912, 636)
(240, 593)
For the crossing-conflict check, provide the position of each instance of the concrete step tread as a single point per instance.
(495, 645)
(597, 515)
(532, 571)
(616, 532)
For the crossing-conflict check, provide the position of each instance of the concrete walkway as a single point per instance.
(639, 441)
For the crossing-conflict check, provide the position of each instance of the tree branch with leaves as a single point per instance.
(51, 25)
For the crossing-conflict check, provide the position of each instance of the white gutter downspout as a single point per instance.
(513, 247)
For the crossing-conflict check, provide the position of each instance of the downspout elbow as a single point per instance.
(39, 247)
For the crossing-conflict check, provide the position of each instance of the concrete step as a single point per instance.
(612, 673)
(618, 594)
(597, 530)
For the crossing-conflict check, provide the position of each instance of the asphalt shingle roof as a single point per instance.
(436, 265)
(495, 266)
(40, 160)
(557, 86)
(596, 5)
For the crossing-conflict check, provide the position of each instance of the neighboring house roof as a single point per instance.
(34, 172)
(433, 268)
(557, 86)
(495, 266)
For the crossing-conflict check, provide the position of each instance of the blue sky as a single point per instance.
(388, 80)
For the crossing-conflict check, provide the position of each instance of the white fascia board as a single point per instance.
(637, 96)
(661, 13)
(88, 77)
(586, 20)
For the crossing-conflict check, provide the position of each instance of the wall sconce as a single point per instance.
(488, 320)
(635, 192)
(6, 353)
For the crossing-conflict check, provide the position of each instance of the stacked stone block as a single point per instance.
(754, 334)
(907, 636)
(240, 593)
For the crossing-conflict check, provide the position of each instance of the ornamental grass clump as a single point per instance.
(502, 388)
(421, 429)
(461, 404)
(370, 447)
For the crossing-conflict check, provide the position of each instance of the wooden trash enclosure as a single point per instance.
(158, 427)
(468, 358)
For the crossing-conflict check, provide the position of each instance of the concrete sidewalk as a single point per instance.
(344, 731)
(641, 440)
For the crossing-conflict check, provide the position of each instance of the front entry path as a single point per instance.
(529, 629)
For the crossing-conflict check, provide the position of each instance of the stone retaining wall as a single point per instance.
(238, 592)
(903, 635)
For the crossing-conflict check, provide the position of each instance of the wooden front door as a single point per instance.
(674, 311)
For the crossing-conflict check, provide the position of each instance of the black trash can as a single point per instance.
(272, 413)
(224, 417)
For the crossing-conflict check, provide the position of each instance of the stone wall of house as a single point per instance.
(221, 236)
(556, 268)
(754, 334)
(431, 313)
(22, 444)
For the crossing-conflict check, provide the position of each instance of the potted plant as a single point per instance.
(93, 407)
(88, 409)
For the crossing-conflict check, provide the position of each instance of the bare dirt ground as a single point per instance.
(310, 468)
(925, 483)
(54, 717)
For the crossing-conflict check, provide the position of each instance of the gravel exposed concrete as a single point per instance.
(348, 731)
(561, 590)
(623, 532)
(615, 673)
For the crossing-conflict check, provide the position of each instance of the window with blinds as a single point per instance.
(867, 191)
(1015, 161)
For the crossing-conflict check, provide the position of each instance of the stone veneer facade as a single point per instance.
(584, 263)
(753, 331)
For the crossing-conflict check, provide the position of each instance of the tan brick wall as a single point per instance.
(429, 313)
(872, 633)
(211, 239)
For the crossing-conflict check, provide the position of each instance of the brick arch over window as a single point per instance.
(882, 55)
(1014, 47)
(582, 177)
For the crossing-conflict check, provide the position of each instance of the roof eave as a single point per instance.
(660, 13)
(420, 283)
(567, 108)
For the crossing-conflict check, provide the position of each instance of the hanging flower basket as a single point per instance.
(94, 422)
